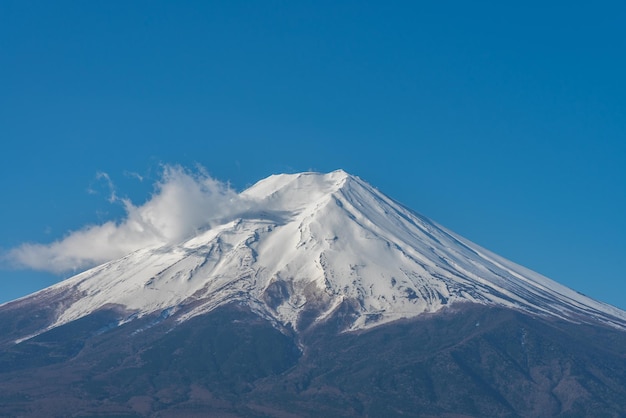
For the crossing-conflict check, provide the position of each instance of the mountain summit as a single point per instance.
(320, 296)
(311, 244)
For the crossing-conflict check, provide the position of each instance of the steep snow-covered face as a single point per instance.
(308, 244)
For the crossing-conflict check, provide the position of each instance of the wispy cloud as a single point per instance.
(101, 175)
(134, 175)
(183, 203)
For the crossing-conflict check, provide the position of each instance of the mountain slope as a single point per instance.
(308, 244)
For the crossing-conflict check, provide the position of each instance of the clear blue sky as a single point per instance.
(504, 122)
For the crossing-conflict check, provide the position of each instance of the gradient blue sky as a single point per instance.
(504, 122)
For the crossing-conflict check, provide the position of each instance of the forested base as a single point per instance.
(466, 361)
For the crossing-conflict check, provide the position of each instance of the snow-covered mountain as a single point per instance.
(249, 317)
(313, 243)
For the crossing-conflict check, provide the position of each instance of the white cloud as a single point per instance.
(183, 203)
(101, 175)
(134, 175)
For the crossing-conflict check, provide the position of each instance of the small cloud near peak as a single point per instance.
(183, 202)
